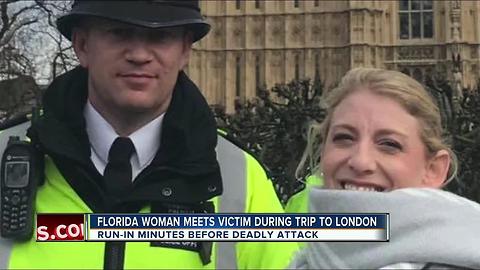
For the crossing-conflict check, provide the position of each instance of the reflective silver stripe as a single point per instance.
(233, 168)
(6, 245)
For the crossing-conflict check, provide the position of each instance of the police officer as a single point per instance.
(129, 101)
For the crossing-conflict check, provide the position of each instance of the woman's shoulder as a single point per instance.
(426, 225)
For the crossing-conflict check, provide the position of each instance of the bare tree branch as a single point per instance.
(48, 11)
(20, 12)
(4, 17)
(8, 35)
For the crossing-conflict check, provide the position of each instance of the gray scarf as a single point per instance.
(426, 225)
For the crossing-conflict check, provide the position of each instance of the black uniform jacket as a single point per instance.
(185, 164)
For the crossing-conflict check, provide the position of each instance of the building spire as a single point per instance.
(457, 82)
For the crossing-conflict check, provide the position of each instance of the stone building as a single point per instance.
(260, 43)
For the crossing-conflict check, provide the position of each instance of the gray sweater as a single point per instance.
(426, 225)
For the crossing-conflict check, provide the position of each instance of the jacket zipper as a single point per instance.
(114, 255)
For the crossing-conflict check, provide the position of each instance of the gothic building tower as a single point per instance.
(258, 43)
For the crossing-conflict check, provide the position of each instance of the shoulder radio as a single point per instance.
(21, 173)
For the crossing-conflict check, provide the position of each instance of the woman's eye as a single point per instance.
(342, 138)
(391, 145)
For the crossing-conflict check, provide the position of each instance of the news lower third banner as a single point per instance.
(213, 227)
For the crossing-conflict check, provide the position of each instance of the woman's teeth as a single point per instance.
(349, 186)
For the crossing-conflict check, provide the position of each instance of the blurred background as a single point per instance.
(265, 64)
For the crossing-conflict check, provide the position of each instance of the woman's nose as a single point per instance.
(362, 160)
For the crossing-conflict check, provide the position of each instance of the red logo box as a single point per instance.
(60, 227)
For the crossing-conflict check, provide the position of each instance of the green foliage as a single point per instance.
(461, 120)
(273, 127)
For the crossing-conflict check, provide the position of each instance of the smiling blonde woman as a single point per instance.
(383, 134)
(382, 131)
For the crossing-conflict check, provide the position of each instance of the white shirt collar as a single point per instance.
(147, 140)
(102, 135)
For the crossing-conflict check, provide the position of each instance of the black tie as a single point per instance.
(118, 172)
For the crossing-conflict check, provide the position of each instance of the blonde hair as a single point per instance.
(393, 84)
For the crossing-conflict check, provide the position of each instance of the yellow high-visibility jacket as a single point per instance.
(194, 162)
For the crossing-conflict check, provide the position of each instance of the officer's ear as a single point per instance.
(187, 47)
(79, 43)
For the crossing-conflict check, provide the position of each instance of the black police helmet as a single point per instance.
(146, 13)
